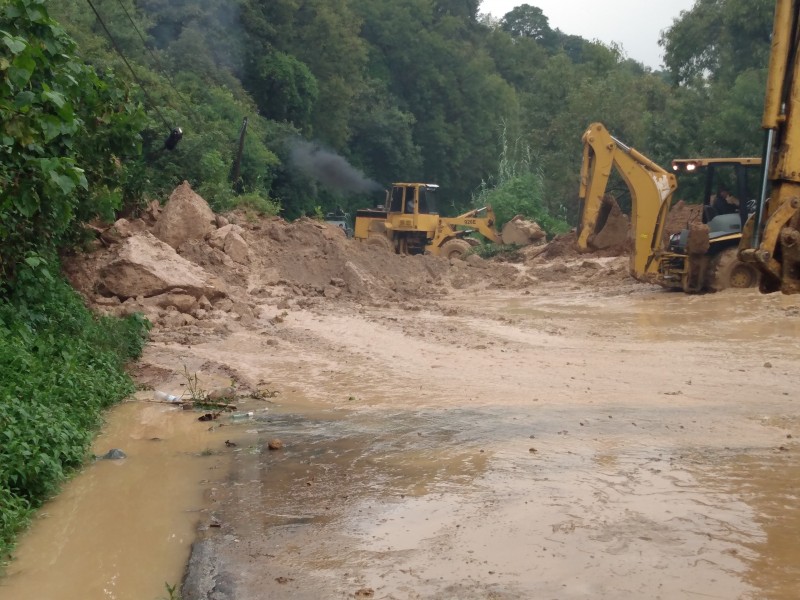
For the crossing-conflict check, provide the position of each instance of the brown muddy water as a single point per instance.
(121, 529)
(506, 503)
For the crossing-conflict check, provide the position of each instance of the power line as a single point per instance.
(125, 60)
(161, 69)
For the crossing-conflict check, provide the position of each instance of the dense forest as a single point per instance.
(297, 107)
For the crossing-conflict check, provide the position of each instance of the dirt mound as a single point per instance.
(680, 216)
(522, 232)
(229, 267)
(614, 235)
(235, 267)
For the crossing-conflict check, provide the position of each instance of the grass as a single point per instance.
(60, 366)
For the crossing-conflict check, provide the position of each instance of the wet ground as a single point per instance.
(122, 529)
(626, 444)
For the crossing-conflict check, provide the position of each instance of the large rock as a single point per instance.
(146, 266)
(186, 216)
(228, 238)
(522, 232)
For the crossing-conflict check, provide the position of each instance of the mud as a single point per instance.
(547, 428)
(123, 528)
(507, 446)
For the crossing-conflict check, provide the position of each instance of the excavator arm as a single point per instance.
(771, 238)
(650, 186)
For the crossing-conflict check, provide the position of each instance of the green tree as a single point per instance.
(718, 39)
(64, 132)
(529, 22)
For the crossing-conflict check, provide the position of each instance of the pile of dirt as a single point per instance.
(680, 216)
(615, 231)
(183, 265)
(523, 232)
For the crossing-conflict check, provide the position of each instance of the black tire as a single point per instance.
(727, 271)
(454, 249)
(379, 242)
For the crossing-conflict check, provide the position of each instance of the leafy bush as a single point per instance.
(490, 250)
(59, 367)
(518, 189)
(63, 131)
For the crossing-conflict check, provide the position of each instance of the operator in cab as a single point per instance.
(724, 203)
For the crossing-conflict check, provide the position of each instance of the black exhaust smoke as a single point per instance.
(330, 169)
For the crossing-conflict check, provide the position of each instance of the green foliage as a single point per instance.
(63, 131)
(518, 189)
(59, 367)
(492, 250)
(718, 39)
(257, 204)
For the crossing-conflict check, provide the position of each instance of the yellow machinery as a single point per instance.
(702, 257)
(410, 224)
(771, 238)
(650, 186)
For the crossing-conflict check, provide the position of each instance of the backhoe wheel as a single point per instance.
(727, 271)
(380, 242)
(454, 248)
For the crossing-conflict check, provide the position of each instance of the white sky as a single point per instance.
(635, 24)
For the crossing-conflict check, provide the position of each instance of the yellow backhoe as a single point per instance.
(409, 224)
(702, 257)
(771, 238)
(650, 186)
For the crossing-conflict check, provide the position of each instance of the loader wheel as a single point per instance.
(454, 248)
(379, 242)
(727, 271)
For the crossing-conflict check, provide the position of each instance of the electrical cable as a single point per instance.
(158, 62)
(125, 60)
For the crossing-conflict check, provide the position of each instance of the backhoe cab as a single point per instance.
(703, 257)
(409, 223)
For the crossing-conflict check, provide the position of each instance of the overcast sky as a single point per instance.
(635, 24)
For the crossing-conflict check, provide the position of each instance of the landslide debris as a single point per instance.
(182, 264)
(187, 269)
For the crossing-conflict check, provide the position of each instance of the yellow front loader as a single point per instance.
(409, 224)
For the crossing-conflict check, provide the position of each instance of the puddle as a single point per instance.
(454, 504)
(121, 529)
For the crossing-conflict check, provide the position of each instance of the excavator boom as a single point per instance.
(650, 186)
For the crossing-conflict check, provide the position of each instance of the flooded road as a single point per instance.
(495, 445)
(512, 447)
(122, 529)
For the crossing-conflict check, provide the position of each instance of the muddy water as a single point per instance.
(508, 503)
(551, 446)
(122, 529)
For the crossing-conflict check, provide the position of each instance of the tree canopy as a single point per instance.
(401, 90)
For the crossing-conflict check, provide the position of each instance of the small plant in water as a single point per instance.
(196, 393)
(172, 592)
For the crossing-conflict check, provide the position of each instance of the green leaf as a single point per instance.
(15, 44)
(24, 100)
(21, 70)
(54, 97)
(65, 183)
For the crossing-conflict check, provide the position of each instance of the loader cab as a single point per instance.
(413, 198)
(709, 179)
